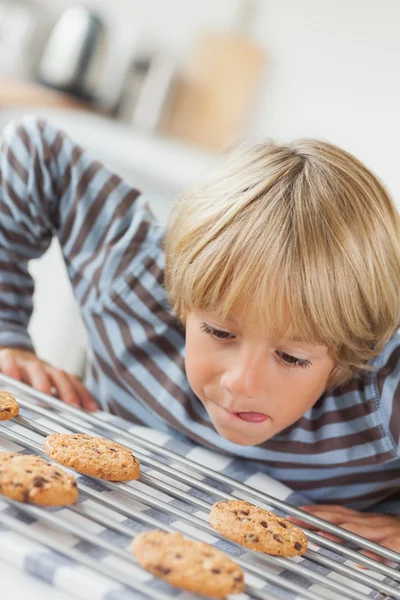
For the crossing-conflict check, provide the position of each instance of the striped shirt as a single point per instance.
(345, 449)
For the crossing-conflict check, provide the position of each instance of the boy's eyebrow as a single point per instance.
(312, 349)
(307, 346)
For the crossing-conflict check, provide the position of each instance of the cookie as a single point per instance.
(257, 528)
(193, 566)
(9, 407)
(29, 478)
(95, 456)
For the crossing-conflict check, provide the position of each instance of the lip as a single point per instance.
(254, 417)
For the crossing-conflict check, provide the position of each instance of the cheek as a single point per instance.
(309, 392)
(198, 363)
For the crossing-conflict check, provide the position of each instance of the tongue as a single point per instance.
(252, 417)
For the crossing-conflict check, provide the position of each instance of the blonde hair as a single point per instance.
(301, 239)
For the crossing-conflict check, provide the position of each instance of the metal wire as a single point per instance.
(172, 472)
(81, 557)
(136, 443)
(124, 489)
(156, 458)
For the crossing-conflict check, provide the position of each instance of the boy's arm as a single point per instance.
(50, 186)
(380, 528)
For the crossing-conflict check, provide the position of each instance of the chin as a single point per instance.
(240, 439)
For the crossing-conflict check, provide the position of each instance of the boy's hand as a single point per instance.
(28, 368)
(381, 529)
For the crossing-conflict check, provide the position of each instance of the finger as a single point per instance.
(330, 536)
(65, 390)
(379, 558)
(354, 516)
(301, 523)
(333, 508)
(87, 400)
(370, 533)
(322, 511)
(334, 518)
(35, 375)
(9, 366)
(341, 520)
(393, 542)
(372, 555)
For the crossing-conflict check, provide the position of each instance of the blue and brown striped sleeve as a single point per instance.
(388, 389)
(50, 186)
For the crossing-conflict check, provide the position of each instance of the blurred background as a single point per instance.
(160, 90)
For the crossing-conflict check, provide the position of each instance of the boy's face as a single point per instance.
(251, 387)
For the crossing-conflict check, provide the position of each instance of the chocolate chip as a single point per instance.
(239, 578)
(39, 482)
(264, 524)
(298, 546)
(178, 555)
(282, 524)
(25, 496)
(216, 571)
(27, 471)
(17, 484)
(95, 450)
(234, 512)
(251, 537)
(277, 538)
(162, 570)
(74, 484)
(244, 512)
(112, 449)
(5, 409)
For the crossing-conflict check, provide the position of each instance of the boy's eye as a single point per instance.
(292, 361)
(219, 334)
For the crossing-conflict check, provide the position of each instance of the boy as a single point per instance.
(277, 339)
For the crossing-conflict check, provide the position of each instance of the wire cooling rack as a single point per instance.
(173, 493)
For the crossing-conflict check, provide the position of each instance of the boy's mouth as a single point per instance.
(252, 417)
(248, 416)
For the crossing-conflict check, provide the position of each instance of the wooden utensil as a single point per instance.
(211, 101)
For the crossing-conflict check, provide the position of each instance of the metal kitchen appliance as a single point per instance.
(73, 58)
(173, 493)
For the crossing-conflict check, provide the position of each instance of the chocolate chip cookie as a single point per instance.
(95, 456)
(9, 407)
(29, 478)
(257, 528)
(193, 566)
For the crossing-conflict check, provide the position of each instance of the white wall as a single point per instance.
(333, 73)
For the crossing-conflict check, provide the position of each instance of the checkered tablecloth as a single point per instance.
(64, 573)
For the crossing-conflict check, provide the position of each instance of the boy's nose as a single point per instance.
(245, 379)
